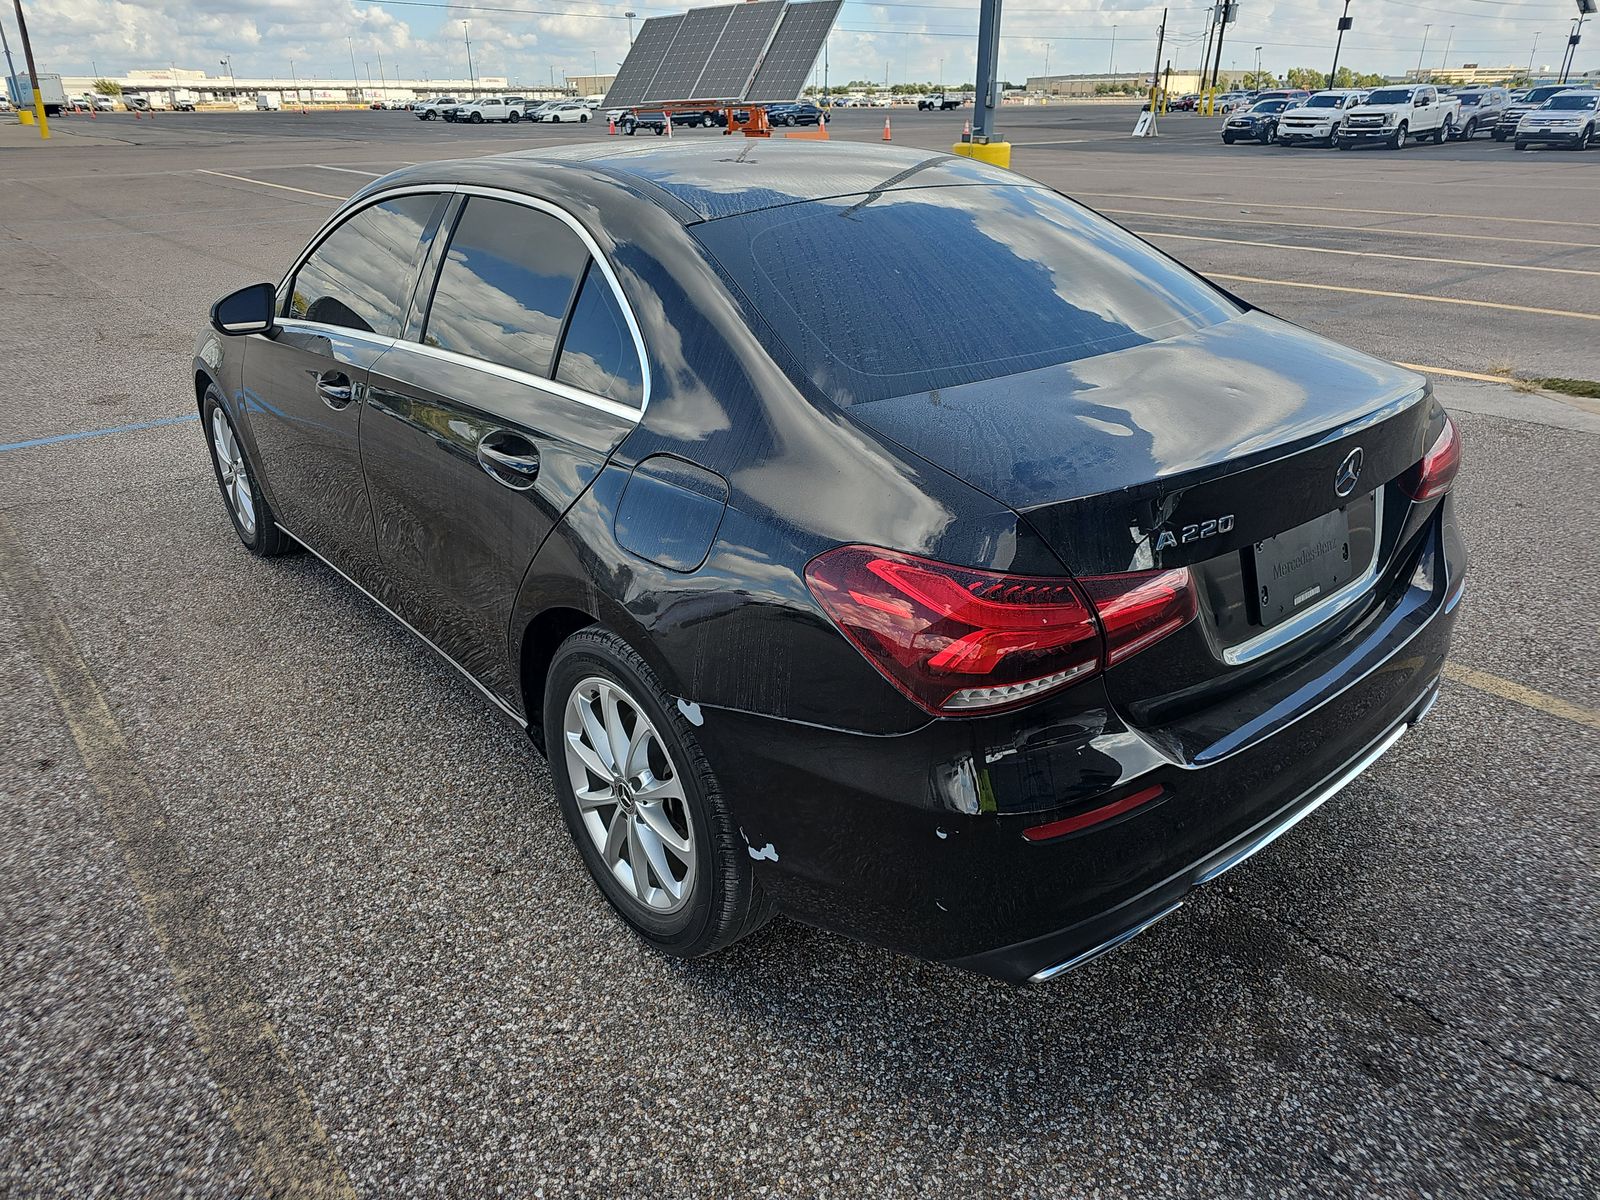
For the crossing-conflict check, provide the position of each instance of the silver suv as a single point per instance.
(1481, 110)
(1533, 98)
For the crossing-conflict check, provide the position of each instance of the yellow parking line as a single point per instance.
(1527, 696)
(1377, 212)
(1455, 262)
(1454, 374)
(1330, 287)
(277, 1124)
(1431, 233)
(282, 187)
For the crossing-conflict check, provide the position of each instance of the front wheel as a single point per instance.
(1441, 133)
(642, 803)
(1397, 140)
(1227, 139)
(629, 128)
(1583, 138)
(706, 122)
(1268, 134)
(1467, 130)
(1498, 136)
(1340, 144)
(252, 516)
(1521, 145)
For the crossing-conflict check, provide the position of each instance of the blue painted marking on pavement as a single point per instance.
(92, 433)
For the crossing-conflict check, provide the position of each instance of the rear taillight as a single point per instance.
(956, 640)
(1436, 470)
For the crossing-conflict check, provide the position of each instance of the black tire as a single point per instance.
(1441, 133)
(1397, 140)
(1583, 138)
(725, 901)
(583, 119)
(1498, 136)
(1468, 130)
(476, 118)
(514, 117)
(629, 128)
(1521, 145)
(1268, 135)
(1227, 139)
(706, 122)
(660, 129)
(268, 540)
(1340, 144)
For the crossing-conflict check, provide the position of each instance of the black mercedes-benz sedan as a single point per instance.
(863, 534)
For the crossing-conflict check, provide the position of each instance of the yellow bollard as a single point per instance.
(25, 115)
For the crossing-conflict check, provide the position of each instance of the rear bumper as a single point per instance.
(915, 841)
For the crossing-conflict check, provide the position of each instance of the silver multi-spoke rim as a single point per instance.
(629, 794)
(235, 479)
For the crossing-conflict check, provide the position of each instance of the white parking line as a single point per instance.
(1330, 287)
(351, 171)
(1372, 212)
(1410, 233)
(1455, 262)
(282, 187)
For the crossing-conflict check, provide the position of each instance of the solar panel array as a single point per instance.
(793, 51)
(760, 51)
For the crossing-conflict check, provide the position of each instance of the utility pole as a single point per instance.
(1158, 97)
(292, 76)
(1531, 53)
(1258, 65)
(1344, 23)
(630, 14)
(382, 80)
(1205, 56)
(1112, 71)
(11, 67)
(1228, 7)
(472, 75)
(33, 72)
(988, 71)
(1424, 49)
(1445, 57)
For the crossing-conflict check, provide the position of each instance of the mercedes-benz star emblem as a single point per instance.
(1344, 479)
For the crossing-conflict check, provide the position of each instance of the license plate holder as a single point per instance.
(1302, 566)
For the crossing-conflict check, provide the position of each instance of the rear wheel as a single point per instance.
(252, 516)
(583, 119)
(706, 122)
(477, 118)
(642, 802)
(514, 117)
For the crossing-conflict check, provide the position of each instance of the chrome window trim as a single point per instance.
(340, 216)
(297, 325)
(565, 391)
(603, 403)
(427, 641)
(1323, 610)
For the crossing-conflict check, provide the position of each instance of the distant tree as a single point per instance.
(108, 87)
(1371, 80)
(1306, 77)
(1260, 79)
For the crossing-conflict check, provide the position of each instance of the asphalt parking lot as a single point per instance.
(289, 910)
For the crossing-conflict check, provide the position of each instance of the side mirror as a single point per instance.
(249, 310)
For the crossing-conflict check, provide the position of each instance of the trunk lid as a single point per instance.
(1225, 450)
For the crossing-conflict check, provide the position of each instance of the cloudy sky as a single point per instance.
(528, 40)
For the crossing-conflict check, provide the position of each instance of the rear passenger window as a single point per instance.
(360, 276)
(505, 286)
(598, 355)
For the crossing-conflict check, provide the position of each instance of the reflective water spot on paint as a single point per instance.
(766, 852)
(692, 712)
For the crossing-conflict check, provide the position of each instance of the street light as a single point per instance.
(1344, 24)
(1258, 64)
(630, 14)
(472, 75)
(1113, 70)
(1449, 37)
(1531, 53)
(1424, 49)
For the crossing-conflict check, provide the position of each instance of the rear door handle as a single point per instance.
(510, 459)
(335, 389)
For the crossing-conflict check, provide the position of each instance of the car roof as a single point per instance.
(706, 180)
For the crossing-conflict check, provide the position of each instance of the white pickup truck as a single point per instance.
(493, 108)
(1393, 115)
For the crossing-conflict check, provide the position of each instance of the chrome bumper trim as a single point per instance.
(1127, 935)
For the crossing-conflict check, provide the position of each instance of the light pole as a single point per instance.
(296, 80)
(1531, 53)
(33, 73)
(1113, 71)
(1258, 64)
(1344, 23)
(1448, 38)
(355, 79)
(1424, 49)
(11, 67)
(472, 75)
(382, 81)
(630, 14)
(1047, 64)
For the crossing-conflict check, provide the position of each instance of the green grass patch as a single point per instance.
(1588, 388)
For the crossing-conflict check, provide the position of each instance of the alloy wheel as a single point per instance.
(235, 478)
(629, 795)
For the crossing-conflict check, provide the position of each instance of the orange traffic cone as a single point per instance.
(887, 136)
(966, 131)
(92, 115)
(611, 127)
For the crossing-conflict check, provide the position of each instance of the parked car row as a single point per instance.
(507, 110)
(1393, 116)
(630, 121)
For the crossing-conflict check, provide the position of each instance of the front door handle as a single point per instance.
(335, 389)
(510, 459)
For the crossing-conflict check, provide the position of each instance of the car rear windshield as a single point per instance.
(894, 293)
